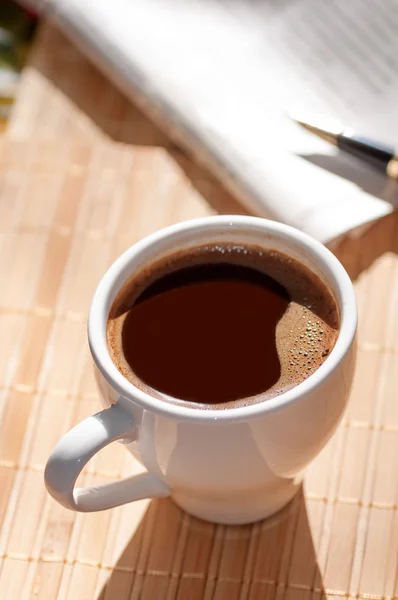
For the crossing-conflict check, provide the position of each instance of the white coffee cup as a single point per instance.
(228, 466)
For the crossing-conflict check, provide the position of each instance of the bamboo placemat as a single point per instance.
(83, 176)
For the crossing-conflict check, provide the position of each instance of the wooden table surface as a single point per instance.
(83, 176)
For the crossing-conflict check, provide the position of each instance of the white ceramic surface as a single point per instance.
(227, 466)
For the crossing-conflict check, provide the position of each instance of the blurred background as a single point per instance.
(17, 28)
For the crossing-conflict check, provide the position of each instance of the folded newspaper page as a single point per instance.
(220, 77)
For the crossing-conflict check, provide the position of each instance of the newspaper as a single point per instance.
(220, 77)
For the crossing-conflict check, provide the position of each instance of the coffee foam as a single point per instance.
(305, 335)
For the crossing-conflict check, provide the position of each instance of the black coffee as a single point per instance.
(222, 325)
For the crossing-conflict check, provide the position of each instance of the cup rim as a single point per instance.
(324, 257)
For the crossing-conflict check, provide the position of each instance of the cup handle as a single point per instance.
(75, 449)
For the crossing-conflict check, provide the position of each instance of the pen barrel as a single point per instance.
(392, 168)
(374, 153)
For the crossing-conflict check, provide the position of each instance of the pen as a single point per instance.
(378, 154)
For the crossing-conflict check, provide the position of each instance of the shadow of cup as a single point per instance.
(173, 555)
